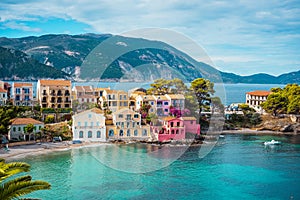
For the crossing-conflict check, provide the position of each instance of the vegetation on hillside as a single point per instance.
(283, 101)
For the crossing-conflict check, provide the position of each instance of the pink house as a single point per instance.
(172, 129)
(191, 125)
(162, 105)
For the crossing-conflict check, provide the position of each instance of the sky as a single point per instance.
(240, 36)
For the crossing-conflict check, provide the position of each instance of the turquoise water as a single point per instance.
(238, 167)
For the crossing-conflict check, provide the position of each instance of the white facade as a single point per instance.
(89, 126)
(3, 97)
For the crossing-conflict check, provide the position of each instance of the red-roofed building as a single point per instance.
(17, 129)
(255, 98)
(54, 93)
(22, 94)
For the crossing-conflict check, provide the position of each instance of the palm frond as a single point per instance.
(18, 189)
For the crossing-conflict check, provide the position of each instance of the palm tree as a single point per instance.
(20, 186)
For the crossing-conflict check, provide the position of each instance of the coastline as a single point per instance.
(22, 151)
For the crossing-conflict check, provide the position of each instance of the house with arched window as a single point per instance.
(126, 124)
(89, 125)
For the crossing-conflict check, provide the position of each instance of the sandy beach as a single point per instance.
(17, 152)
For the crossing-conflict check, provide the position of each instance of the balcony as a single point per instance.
(52, 94)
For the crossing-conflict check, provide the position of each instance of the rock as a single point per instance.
(287, 128)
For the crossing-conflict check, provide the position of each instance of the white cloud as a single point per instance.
(20, 26)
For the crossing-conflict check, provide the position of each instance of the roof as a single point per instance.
(101, 89)
(116, 91)
(161, 97)
(87, 88)
(2, 90)
(79, 88)
(94, 110)
(188, 118)
(148, 97)
(169, 118)
(25, 121)
(87, 96)
(176, 96)
(22, 85)
(55, 82)
(259, 93)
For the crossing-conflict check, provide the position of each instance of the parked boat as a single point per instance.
(272, 142)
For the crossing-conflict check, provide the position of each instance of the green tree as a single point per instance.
(49, 119)
(29, 128)
(17, 187)
(160, 87)
(276, 103)
(202, 89)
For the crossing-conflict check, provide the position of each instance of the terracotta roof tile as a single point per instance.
(188, 118)
(55, 82)
(168, 118)
(176, 96)
(22, 85)
(79, 88)
(2, 90)
(259, 93)
(25, 121)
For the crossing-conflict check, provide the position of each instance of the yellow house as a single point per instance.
(114, 100)
(126, 124)
(54, 93)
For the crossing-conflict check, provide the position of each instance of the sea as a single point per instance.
(229, 93)
(237, 167)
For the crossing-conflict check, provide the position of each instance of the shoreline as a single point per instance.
(22, 151)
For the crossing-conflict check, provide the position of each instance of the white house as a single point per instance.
(89, 125)
(255, 98)
(17, 129)
(3, 96)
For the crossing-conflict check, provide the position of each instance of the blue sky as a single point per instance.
(240, 36)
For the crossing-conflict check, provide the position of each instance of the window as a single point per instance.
(152, 103)
(14, 129)
(128, 133)
(172, 124)
(90, 115)
(18, 91)
(122, 124)
(90, 134)
(166, 103)
(177, 131)
(92, 124)
(98, 134)
(125, 97)
(135, 132)
(166, 110)
(145, 132)
(127, 124)
(128, 117)
(178, 123)
(19, 128)
(192, 122)
(26, 90)
(40, 127)
(121, 133)
(85, 124)
(125, 104)
(97, 124)
(120, 116)
(136, 116)
(133, 124)
(80, 134)
(111, 133)
(78, 123)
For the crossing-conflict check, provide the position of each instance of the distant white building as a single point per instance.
(255, 98)
(89, 125)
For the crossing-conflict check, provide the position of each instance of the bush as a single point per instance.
(49, 119)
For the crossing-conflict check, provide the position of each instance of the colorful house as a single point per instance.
(177, 100)
(141, 100)
(172, 129)
(89, 125)
(22, 94)
(128, 125)
(191, 126)
(17, 129)
(114, 100)
(162, 105)
(54, 93)
(255, 98)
